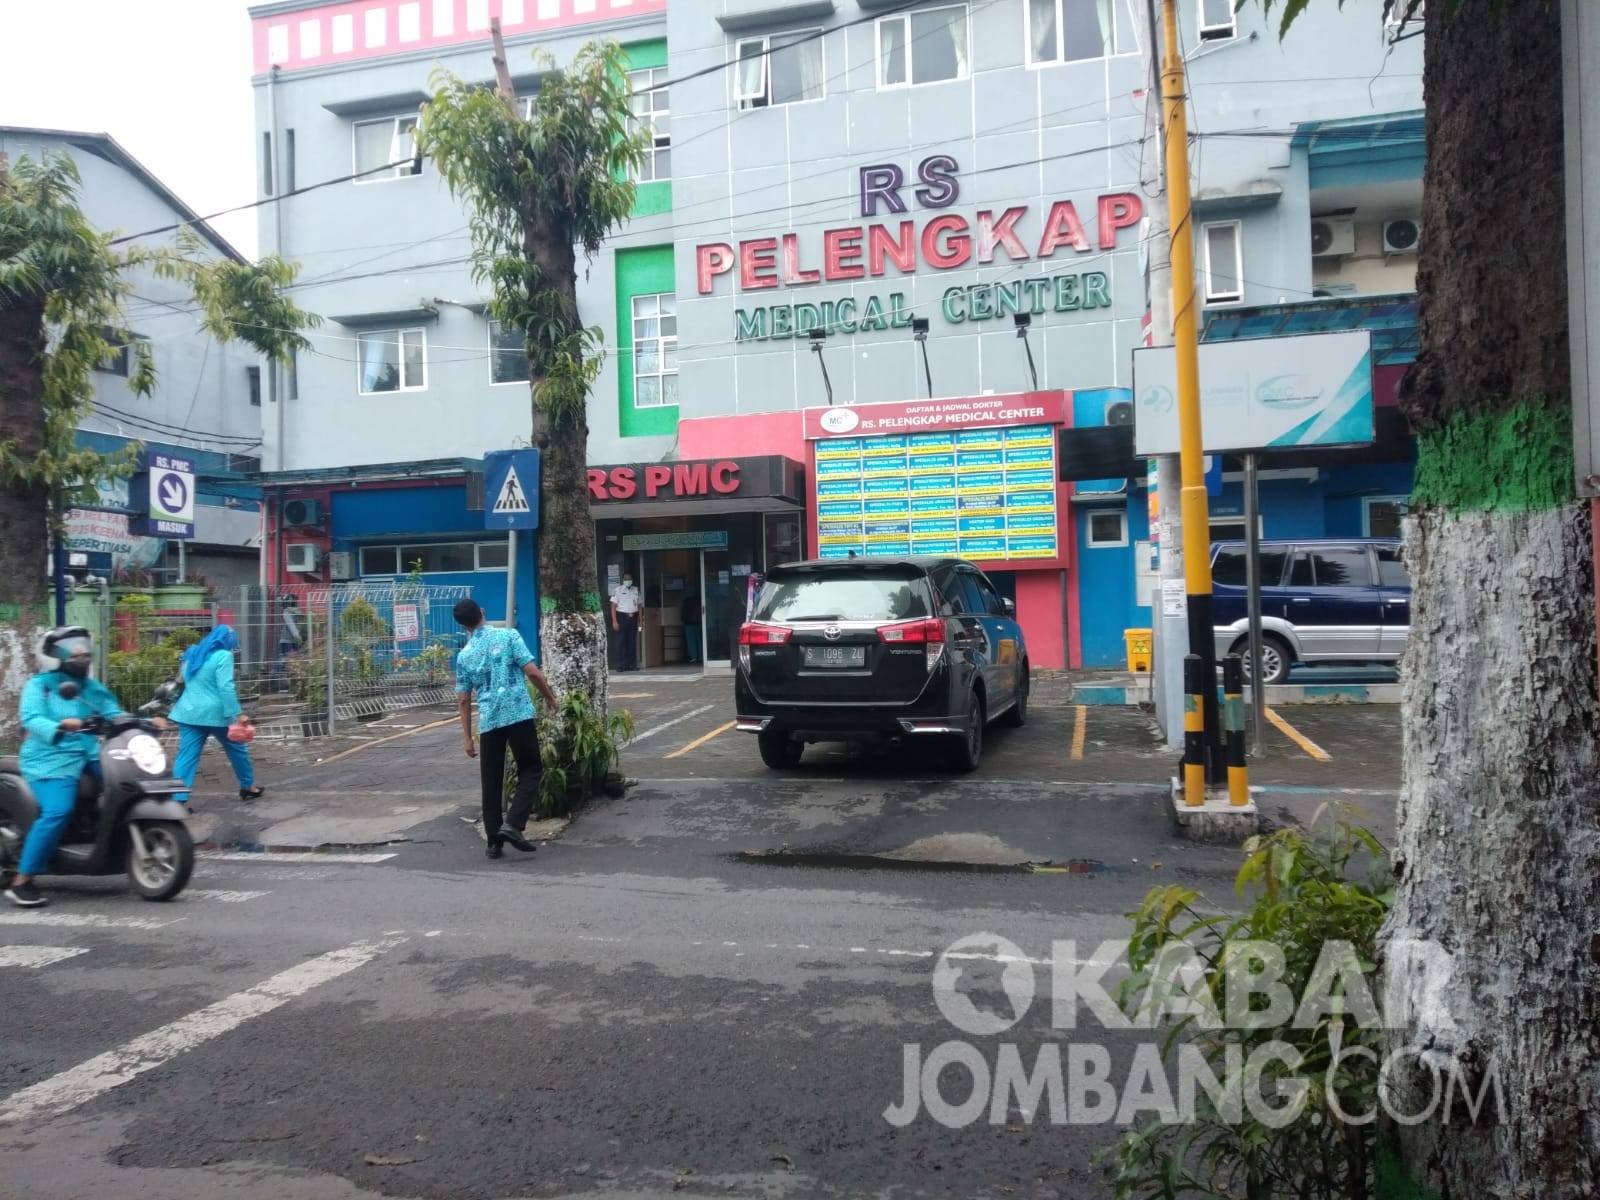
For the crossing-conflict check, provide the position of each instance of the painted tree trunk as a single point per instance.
(23, 506)
(1499, 846)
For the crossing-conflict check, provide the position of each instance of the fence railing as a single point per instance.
(309, 659)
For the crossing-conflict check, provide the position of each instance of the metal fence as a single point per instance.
(310, 659)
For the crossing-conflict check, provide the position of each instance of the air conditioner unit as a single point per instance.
(301, 514)
(301, 558)
(1401, 236)
(1120, 413)
(341, 566)
(1333, 238)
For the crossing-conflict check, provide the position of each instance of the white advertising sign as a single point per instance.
(1260, 393)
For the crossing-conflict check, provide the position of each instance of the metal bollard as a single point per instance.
(1194, 731)
(1233, 722)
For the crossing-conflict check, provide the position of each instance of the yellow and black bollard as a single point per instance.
(1194, 730)
(1233, 722)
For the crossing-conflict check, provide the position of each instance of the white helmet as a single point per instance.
(66, 649)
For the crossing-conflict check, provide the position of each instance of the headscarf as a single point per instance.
(222, 637)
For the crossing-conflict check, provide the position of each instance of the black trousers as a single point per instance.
(523, 740)
(628, 641)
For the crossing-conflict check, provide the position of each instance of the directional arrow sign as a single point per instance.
(164, 488)
(511, 489)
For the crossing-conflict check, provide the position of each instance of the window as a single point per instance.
(266, 164)
(785, 68)
(253, 377)
(872, 595)
(492, 556)
(1074, 30)
(1228, 568)
(119, 358)
(648, 109)
(508, 355)
(1332, 566)
(1109, 527)
(388, 142)
(292, 375)
(437, 559)
(1224, 265)
(1216, 20)
(1381, 515)
(380, 560)
(926, 46)
(992, 603)
(655, 350)
(391, 360)
(1233, 529)
(1392, 571)
(288, 160)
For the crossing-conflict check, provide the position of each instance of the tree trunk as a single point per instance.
(1499, 845)
(572, 633)
(23, 506)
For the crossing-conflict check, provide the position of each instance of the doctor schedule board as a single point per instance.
(987, 494)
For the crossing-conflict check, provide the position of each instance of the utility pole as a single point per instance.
(1193, 509)
(1171, 631)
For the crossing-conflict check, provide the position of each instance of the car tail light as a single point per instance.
(928, 632)
(759, 633)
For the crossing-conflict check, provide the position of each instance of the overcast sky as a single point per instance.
(169, 79)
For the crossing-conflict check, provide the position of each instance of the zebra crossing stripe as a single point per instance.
(225, 897)
(295, 856)
(38, 956)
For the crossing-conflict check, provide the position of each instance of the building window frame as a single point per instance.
(1060, 59)
(408, 167)
(1218, 527)
(402, 561)
(908, 46)
(747, 99)
(499, 352)
(1097, 541)
(1212, 294)
(119, 358)
(252, 375)
(1400, 502)
(657, 120)
(1214, 31)
(664, 344)
(400, 335)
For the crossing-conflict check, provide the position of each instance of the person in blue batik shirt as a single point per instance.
(56, 704)
(496, 667)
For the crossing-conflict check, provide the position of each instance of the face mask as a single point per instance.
(626, 582)
(77, 668)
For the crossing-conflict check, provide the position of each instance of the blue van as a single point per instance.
(1323, 600)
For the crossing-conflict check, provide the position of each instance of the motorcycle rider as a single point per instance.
(56, 703)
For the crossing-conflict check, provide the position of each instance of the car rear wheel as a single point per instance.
(967, 749)
(1017, 715)
(779, 750)
(1276, 658)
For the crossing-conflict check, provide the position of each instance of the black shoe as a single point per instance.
(492, 850)
(508, 834)
(26, 895)
(251, 793)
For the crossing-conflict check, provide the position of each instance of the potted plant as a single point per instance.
(187, 594)
(131, 581)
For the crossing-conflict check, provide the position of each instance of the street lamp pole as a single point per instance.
(1191, 466)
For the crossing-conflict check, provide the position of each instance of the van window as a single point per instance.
(972, 597)
(1300, 571)
(1342, 566)
(1391, 569)
(1228, 569)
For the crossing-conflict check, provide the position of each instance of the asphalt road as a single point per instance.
(639, 1009)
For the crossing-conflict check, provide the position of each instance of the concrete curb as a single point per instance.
(1217, 822)
(1281, 694)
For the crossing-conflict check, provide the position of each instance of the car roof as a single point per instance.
(916, 562)
(1316, 541)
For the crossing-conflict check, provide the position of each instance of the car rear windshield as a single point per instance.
(842, 596)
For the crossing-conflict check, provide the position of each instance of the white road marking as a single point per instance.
(292, 856)
(655, 729)
(37, 956)
(78, 1085)
(82, 920)
(225, 897)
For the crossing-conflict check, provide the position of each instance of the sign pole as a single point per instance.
(511, 578)
(331, 640)
(1192, 507)
(1252, 578)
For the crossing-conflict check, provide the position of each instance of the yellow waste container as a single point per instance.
(1138, 641)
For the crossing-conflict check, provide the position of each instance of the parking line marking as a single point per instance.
(1080, 725)
(78, 1085)
(655, 729)
(629, 695)
(700, 741)
(1298, 738)
(38, 956)
(393, 737)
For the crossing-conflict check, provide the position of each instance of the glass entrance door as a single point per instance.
(724, 606)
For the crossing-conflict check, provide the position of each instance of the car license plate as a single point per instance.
(836, 656)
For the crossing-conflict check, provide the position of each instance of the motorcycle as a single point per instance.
(126, 819)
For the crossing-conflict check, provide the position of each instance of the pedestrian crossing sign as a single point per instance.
(511, 489)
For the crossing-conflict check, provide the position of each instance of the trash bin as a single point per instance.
(1139, 648)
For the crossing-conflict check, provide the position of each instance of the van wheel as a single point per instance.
(966, 751)
(1276, 658)
(1017, 715)
(779, 751)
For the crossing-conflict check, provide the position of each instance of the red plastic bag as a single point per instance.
(241, 731)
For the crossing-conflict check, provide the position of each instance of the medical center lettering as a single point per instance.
(942, 242)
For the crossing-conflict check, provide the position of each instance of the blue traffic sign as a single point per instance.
(511, 489)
